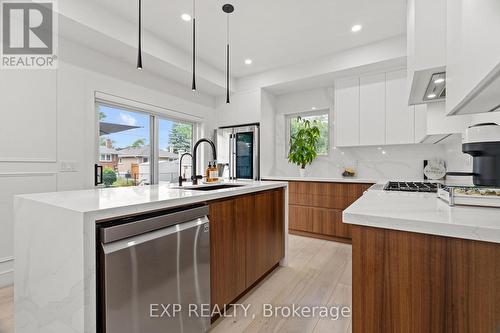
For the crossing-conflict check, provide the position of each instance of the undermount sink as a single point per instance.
(210, 187)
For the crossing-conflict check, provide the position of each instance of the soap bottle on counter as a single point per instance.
(208, 173)
(214, 173)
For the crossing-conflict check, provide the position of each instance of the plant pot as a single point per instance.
(302, 172)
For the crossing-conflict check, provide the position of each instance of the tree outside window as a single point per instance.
(317, 118)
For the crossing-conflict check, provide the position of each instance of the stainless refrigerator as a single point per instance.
(238, 152)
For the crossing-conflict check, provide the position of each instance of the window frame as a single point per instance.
(288, 125)
(105, 158)
(195, 134)
(155, 114)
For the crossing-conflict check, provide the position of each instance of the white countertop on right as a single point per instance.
(424, 213)
(323, 179)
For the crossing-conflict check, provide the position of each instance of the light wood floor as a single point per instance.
(319, 273)
(6, 310)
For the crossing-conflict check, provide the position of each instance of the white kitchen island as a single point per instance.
(55, 247)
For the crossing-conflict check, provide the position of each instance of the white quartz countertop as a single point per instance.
(142, 198)
(321, 179)
(423, 213)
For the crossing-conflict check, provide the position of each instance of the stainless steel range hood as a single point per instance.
(428, 86)
(436, 88)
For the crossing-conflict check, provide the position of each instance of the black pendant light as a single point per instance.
(139, 49)
(228, 9)
(193, 86)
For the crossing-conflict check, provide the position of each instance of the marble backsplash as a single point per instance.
(398, 162)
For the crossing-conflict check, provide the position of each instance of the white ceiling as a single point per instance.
(273, 33)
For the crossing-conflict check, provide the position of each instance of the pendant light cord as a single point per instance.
(227, 61)
(139, 51)
(193, 86)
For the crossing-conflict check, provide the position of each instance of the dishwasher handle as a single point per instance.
(151, 236)
(141, 226)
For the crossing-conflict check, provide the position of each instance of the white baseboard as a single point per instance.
(6, 272)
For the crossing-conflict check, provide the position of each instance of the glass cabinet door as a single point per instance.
(244, 155)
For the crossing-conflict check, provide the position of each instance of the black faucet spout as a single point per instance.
(181, 179)
(194, 176)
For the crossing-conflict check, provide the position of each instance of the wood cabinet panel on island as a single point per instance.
(226, 253)
(247, 241)
(410, 282)
(315, 208)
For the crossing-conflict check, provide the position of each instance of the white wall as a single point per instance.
(366, 55)
(49, 117)
(245, 108)
(403, 162)
(267, 132)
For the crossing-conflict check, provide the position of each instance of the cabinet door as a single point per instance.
(300, 218)
(372, 110)
(260, 236)
(400, 118)
(227, 251)
(347, 112)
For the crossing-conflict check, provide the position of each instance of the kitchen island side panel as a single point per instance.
(50, 287)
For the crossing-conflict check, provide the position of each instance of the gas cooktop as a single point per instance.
(411, 187)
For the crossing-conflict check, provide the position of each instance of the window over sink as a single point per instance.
(141, 147)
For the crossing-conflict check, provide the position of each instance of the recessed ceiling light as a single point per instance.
(248, 61)
(431, 95)
(186, 17)
(313, 108)
(440, 80)
(356, 28)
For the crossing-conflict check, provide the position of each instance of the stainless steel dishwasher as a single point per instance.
(148, 267)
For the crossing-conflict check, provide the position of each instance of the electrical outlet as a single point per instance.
(68, 166)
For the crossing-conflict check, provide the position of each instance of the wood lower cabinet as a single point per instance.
(247, 241)
(265, 241)
(315, 208)
(227, 257)
(409, 282)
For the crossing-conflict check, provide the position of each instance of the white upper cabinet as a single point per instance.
(372, 110)
(473, 56)
(347, 112)
(400, 118)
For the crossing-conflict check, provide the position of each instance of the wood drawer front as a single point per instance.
(316, 220)
(325, 195)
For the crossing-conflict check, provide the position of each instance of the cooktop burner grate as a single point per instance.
(411, 187)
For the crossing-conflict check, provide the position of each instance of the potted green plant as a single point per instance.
(303, 144)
